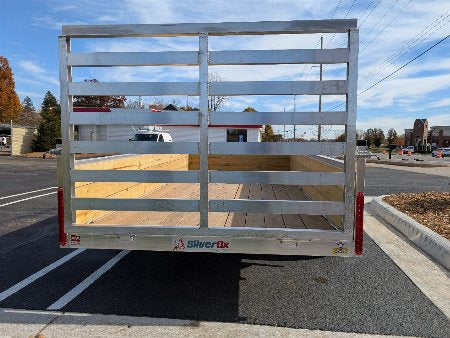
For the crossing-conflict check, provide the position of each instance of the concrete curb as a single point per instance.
(408, 164)
(430, 242)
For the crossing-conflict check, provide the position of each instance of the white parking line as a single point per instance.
(69, 296)
(26, 199)
(19, 286)
(26, 193)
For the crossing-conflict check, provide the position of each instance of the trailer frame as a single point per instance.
(203, 238)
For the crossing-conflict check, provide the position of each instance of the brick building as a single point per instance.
(424, 138)
(440, 136)
(418, 136)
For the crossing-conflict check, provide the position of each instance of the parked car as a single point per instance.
(152, 135)
(408, 148)
(445, 152)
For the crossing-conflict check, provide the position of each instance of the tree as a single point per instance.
(374, 136)
(341, 138)
(50, 127)
(10, 107)
(29, 116)
(189, 108)
(250, 109)
(392, 136)
(215, 102)
(400, 140)
(99, 101)
(268, 135)
(135, 104)
(378, 137)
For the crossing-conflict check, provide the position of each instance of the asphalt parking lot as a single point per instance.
(364, 295)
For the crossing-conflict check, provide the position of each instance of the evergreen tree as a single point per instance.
(10, 107)
(50, 127)
(29, 116)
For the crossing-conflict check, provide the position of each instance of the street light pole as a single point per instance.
(319, 131)
(295, 96)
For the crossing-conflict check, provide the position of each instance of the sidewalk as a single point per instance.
(24, 323)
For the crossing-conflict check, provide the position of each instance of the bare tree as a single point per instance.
(215, 102)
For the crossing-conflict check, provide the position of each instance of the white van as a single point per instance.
(152, 135)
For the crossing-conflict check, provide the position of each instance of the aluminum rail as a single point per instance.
(278, 148)
(274, 57)
(133, 147)
(126, 116)
(277, 177)
(214, 29)
(133, 88)
(278, 206)
(142, 176)
(230, 88)
(282, 118)
(109, 59)
(135, 204)
(215, 176)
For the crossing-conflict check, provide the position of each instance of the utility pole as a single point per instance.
(319, 131)
(295, 96)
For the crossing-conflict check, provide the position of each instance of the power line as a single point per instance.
(376, 5)
(345, 17)
(398, 69)
(382, 17)
(408, 46)
(387, 25)
(403, 66)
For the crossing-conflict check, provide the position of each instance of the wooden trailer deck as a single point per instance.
(229, 219)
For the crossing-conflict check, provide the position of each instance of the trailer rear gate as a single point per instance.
(256, 211)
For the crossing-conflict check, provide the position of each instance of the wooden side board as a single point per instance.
(123, 189)
(320, 192)
(243, 162)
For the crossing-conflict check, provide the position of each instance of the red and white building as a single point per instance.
(179, 133)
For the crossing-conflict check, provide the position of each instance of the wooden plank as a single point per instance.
(290, 221)
(238, 219)
(221, 191)
(310, 221)
(271, 220)
(189, 191)
(255, 219)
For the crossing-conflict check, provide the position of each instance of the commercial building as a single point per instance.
(425, 138)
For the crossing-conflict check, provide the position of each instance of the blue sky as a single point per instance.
(391, 33)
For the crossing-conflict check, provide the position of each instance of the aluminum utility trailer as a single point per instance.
(341, 242)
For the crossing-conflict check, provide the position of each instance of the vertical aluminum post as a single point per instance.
(204, 122)
(350, 131)
(67, 159)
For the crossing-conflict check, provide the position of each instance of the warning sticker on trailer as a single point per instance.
(340, 249)
(74, 239)
(192, 244)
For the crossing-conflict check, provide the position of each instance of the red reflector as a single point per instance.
(359, 223)
(62, 234)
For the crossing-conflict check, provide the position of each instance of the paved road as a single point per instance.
(367, 295)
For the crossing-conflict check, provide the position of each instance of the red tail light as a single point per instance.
(62, 234)
(359, 223)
